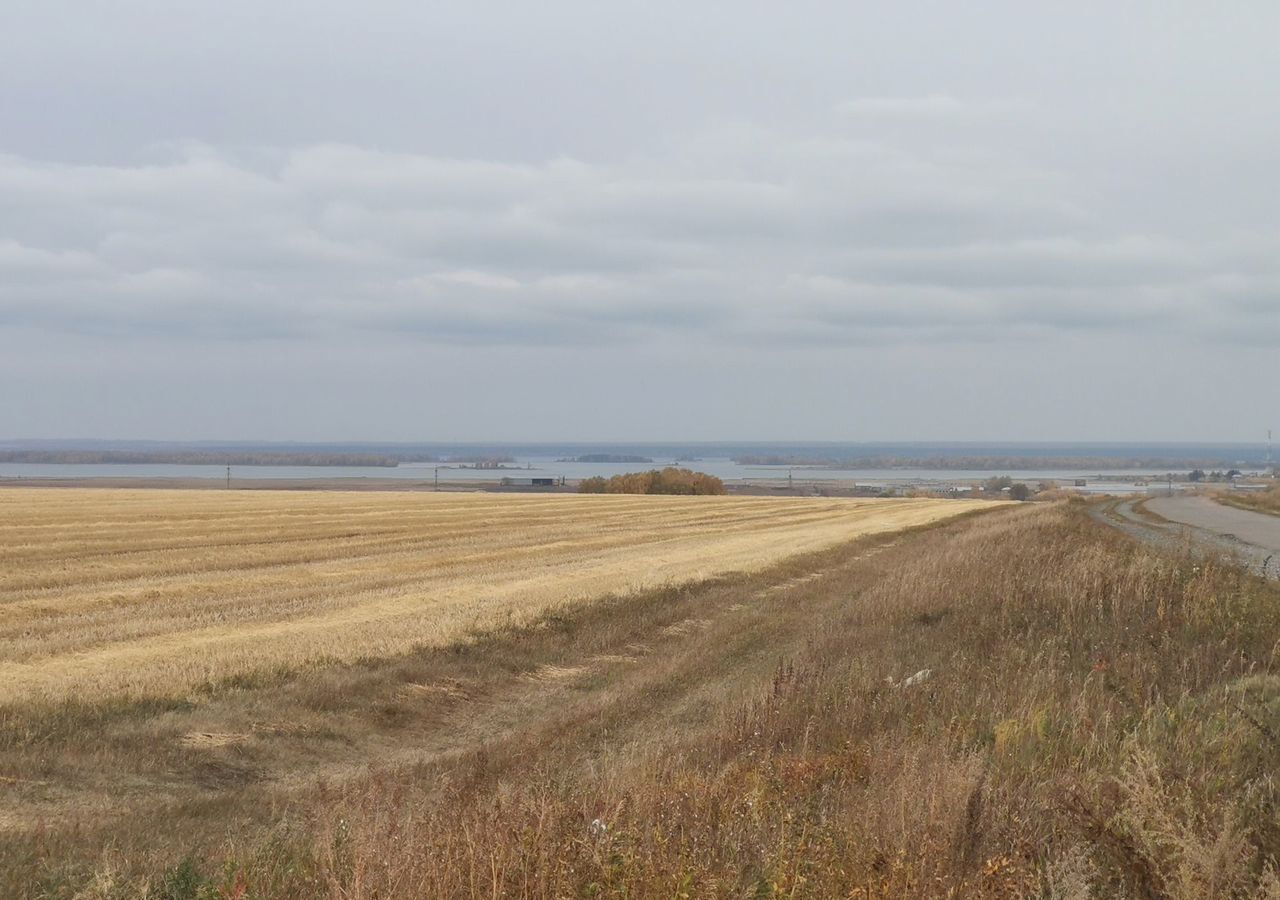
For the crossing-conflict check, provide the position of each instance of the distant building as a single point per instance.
(540, 481)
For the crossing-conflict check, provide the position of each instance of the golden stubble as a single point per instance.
(151, 593)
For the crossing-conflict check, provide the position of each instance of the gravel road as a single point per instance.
(1199, 521)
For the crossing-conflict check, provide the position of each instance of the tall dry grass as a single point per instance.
(1096, 721)
(1264, 501)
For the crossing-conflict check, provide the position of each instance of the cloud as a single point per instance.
(931, 107)
(735, 234)
(471, 279)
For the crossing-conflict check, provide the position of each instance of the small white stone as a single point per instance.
(919, 678)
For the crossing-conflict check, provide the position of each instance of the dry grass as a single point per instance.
(1262, 501)
(155, 593)
(1098, 721)
(1018, 704)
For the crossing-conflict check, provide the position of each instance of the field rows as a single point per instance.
(152, 593)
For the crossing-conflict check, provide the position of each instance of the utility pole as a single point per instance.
(437, 486)
(228, 478)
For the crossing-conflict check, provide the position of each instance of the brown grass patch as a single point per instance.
(1260, 501)
(203, 740)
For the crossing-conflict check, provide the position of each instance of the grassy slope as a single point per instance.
(1265, 501)
(1097, 717)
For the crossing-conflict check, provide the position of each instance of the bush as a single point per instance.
(670, 480)
(183, 882)
(594, 485)
(996, 484)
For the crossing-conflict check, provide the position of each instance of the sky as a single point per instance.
(409, 221)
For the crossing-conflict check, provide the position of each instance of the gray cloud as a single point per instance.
(217, 243)
(718, 194)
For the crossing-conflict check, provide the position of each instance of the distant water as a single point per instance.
(548, 466)
(541, 460)
(1228, 453)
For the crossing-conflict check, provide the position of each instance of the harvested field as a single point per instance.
(155, 593)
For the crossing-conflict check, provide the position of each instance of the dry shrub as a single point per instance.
(670, 480)
(1055, 493)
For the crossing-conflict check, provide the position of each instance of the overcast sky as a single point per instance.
(688, 220)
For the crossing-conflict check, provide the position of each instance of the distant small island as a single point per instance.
(481, 462)
(606, 458)
(478, 462)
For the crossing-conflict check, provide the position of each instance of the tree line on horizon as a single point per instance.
(242, 458)
(195, 458)
(1082, 463)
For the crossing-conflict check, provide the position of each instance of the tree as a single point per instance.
(1020, 491)
(670, 480)
(1196, 475)
(594, 485)
(996, 484)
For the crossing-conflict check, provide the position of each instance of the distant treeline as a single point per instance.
(486, 461)
(1082, 463)
(242, 458)
(195, 458)
(665, 481)
(607, 458)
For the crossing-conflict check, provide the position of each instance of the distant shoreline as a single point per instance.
(772, 486)
(239, 458)
(981, 463)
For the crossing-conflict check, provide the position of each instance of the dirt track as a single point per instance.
(1253, 537)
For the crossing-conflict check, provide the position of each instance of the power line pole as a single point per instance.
(437, 485)
(228, 478)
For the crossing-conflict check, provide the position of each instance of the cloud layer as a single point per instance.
(417, 220)
(742, 235)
